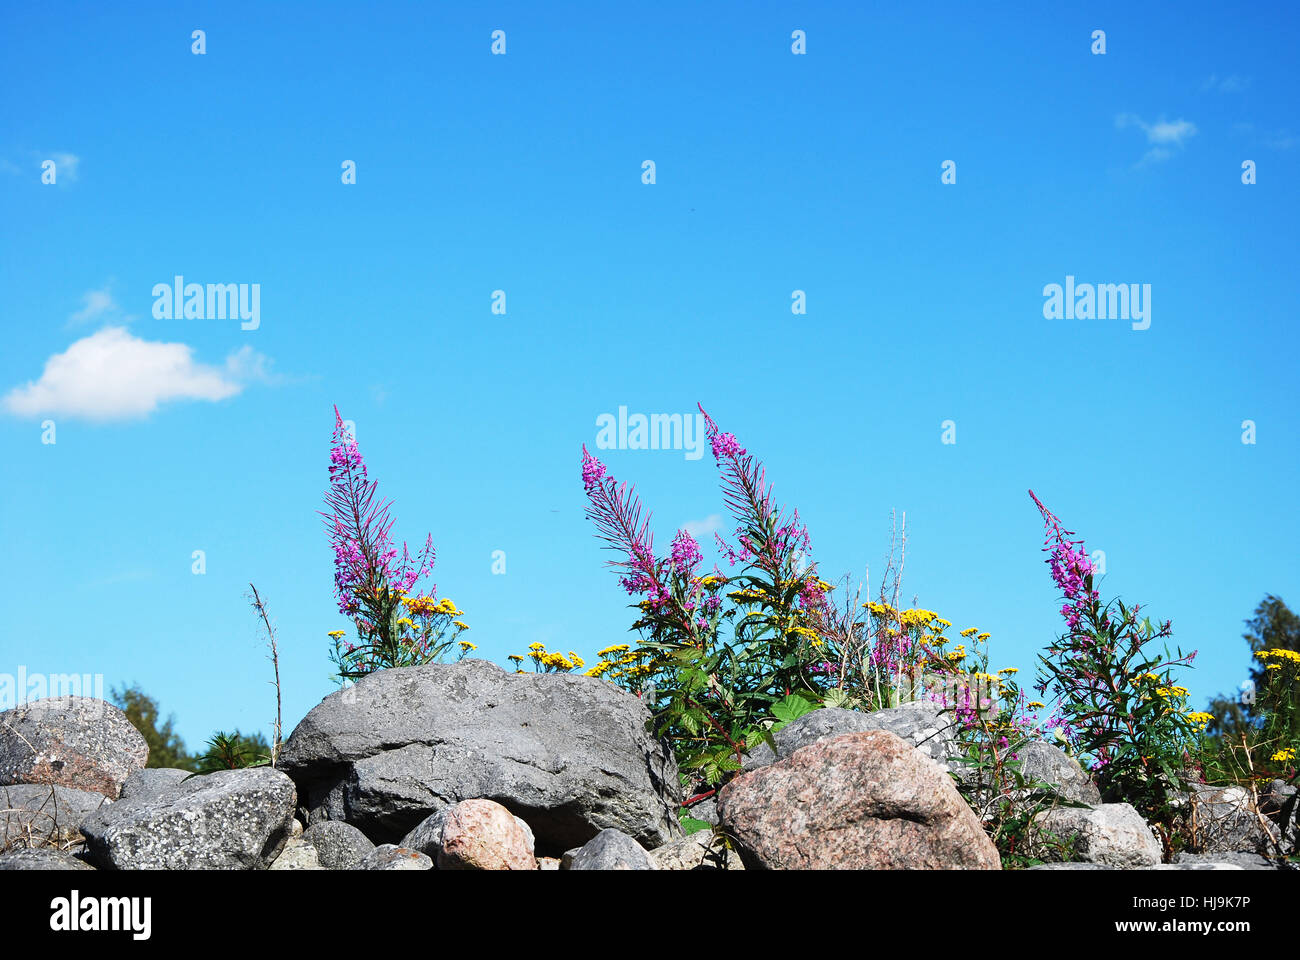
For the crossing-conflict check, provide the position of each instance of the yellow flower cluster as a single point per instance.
(335, 634)
(427, 607)
(1279, 654)
(1200, 718)
(1284, 756)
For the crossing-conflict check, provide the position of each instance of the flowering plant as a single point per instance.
(1119, 708)
(375, 586)
(718, 692)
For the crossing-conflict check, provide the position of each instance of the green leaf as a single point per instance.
(792, 707)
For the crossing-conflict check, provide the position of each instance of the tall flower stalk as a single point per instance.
(374, 583)
(718, 693)
(1118, 705)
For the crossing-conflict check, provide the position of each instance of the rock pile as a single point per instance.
(468, 767)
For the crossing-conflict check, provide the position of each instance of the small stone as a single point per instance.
(389, 857)
(297, 855)
(484, 835)
(704, 850)
(610, 850)
(338, 845)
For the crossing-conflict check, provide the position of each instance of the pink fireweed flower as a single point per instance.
(685, 553)
(365, 559)
(593, 471)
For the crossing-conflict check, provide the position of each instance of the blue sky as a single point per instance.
(523, 173)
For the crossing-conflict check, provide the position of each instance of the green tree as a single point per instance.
(1273, 627)
(166, 749)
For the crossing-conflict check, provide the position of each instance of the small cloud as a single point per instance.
(1162, 134)
(1154, 155)
(1281, 140)
(1229, 84)
(112, 375)
(94, 304)
(702, 528)
(248, 366)
(65, 166)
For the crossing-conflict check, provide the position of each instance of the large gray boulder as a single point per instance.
(1051, 765)
(1110, 834)
(569, 754)
(44, 815)
(76, 742)
(228, 820)
(923, 724)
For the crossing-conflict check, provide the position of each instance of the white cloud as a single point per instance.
(703, 528)
(65, 166)
(1229, 84)
(94, 304)
(112, 375)
(1162, 134)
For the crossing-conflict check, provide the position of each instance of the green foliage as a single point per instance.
(166, 749)
(234, 751)
(1256, 737)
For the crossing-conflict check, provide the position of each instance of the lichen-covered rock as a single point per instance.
(483, 835)
(338, 845)
(609, 850)
(866, 800)
(1110, 834)
(228, 820)
(569, 754)
(41, 858)
(44, 815)
(76, 742)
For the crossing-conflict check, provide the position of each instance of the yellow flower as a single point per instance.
(1009, 670)
(335, 634)
(461, 624)
(1284, 756)
(983, 636)
(1035, 705)
(970, 631)
(466, 645)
